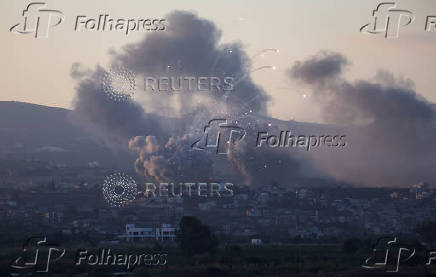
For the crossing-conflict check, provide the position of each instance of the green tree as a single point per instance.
(195, 237)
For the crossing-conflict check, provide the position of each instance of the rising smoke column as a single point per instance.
(115, 122)
(390, 127)
(263, 165)
(190, 46)
(171, 162)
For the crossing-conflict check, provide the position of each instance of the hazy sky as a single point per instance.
(38, 70)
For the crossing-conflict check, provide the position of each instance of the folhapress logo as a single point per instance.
(392, 254)
(218, 135)
(388, 20)
(37, 256)
(38, 20)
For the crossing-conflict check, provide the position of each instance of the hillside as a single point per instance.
(47, 133)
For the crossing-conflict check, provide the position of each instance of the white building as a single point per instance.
(164, 232)
(256, 241)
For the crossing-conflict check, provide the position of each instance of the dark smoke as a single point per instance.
(391, 140)
(263, 165)
(112, 120)
(325, 65)
(190, 46)
(171, 162)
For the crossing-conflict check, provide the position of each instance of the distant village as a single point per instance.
(72, 204)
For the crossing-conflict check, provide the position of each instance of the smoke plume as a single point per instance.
(160, 127)
(390, 127)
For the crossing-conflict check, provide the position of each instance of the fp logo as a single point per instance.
(218, 136)
(38, 20)
(37, 255)
(388, 20)
(388, 255)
